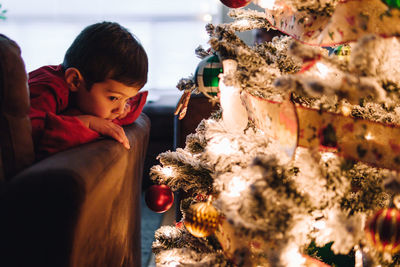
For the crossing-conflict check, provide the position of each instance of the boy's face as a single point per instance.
(106, 99)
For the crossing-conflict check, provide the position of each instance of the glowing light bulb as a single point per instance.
(346, 110)
(322, 69)
(320, 225)
(266, 3)
(167, 171)
(242, 22)
(327, 156)
(171, 261)
(369, 136)
(236, 186)
(222, 147)
(207, 18)
(293, 257)
(358, 258)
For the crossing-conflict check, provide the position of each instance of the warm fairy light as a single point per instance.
(327, 156)
(346, 110)
(167, 171)
(236, 186)
(358, 258)
(266, 3)
(293, 257)
(320, 225)
(242, 22)
(322, 69)
(222, 147)
(171, 261)
(369, 136)
(207, 18)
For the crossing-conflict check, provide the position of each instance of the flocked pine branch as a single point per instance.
(367, 189)
(367, 79)
(245, 20)
(258, 66)
(201, 52)
(186, 84)
(167, 237)
(188, 172)
(189, 257)
(313, 7)
(176, 244)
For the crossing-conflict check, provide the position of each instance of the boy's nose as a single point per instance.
(119, 109)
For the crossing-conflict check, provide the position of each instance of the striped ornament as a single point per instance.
(383, 230)
(392, 3)
(201, 219)
(206, 75)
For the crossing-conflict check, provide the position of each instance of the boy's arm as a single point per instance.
(52, 133)
(63, 132)
(136, 106)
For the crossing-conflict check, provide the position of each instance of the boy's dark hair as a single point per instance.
(106, 50)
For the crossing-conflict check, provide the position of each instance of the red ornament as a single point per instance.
(383, 230)
(235, 3)
(159, 198)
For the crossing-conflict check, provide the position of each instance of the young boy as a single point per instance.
(92, 93)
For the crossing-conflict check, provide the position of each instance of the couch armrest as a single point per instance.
(79, 207)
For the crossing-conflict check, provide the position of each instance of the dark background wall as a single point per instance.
(161, 114)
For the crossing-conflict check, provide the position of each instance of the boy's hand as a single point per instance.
(105, 127)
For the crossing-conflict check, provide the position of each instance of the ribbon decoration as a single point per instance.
(280, 117)
(374, 143)
(181, 107)
(350, 20)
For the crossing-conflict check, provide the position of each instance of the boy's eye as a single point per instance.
(113, 98)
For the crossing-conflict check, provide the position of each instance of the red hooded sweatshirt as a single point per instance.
(49, 98)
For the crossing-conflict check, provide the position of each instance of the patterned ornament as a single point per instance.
(357, 139)
(349, 21)
(235, 3)
(159, 198)
(392, 3)
(206, 75)
(201, 219)
(383, 230)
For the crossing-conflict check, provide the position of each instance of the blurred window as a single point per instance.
(169, 30)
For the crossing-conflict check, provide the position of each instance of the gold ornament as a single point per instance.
(201, 219)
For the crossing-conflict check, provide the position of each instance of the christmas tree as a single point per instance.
(299, 166)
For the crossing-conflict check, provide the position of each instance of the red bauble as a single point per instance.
(235, 3)
(382, 230)
(159, 198)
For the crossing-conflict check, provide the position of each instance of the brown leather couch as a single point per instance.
(80, 207)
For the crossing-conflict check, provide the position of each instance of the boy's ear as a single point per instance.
(73, 78)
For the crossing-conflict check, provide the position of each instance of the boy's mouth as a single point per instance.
(112, 118)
